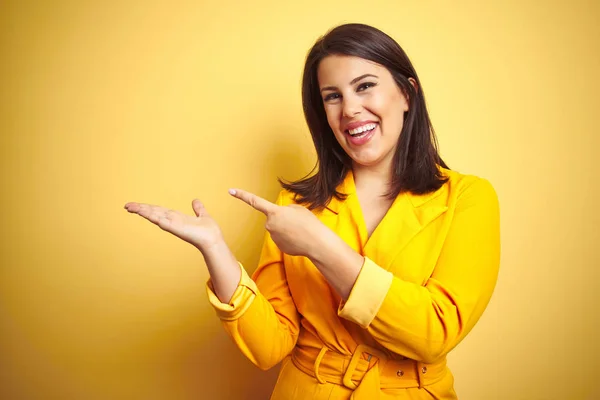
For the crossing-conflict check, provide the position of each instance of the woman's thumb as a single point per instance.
(198, 207)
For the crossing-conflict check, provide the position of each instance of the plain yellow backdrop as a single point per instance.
(103, 102)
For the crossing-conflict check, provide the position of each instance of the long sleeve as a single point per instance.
(261, 317)
(425, 322)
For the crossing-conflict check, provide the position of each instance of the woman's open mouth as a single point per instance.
(362, 134)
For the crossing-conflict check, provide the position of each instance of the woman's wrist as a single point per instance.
(223, 269)
(212, 249)
(338, 263)
(325, 244)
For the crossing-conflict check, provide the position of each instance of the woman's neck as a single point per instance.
(372, 178)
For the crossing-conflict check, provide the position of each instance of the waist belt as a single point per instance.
(366, 371)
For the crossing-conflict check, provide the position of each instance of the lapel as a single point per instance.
(343, 217)
(408, 215)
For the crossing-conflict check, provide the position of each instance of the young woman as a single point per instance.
(375, 266)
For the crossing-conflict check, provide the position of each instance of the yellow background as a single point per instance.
(102, 103)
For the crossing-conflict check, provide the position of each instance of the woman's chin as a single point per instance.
(366, 162)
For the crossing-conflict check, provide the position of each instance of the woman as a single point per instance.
(376, 266)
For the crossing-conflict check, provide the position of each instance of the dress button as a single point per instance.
(424, 370)
(400, 373)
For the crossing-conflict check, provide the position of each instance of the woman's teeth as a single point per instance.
(362, 130)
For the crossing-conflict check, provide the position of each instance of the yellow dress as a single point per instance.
(430, 268)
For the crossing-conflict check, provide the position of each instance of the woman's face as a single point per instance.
(364, 106)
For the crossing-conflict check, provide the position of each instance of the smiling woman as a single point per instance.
(374, 267)
(358, 104)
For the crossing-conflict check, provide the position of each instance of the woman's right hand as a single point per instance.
(200, 231)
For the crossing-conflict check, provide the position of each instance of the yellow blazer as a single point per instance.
(430, 268)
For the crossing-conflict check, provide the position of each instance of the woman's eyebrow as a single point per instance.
(352, 82)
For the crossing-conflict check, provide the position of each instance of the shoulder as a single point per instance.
(464, 188)
(459, 182)
(285, 198)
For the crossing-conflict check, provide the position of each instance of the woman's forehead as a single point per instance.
(341, 70)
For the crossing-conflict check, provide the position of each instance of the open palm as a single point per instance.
(201, 230)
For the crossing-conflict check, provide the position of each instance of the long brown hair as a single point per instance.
(416, 159)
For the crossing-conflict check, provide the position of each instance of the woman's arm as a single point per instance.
(202, 232)
(423, 322)
(223, 269)
(263, 323)
(261, 316)
(419, 322)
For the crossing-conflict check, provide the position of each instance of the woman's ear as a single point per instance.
(414, 83)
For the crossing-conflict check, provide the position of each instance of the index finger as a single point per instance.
(254, 201)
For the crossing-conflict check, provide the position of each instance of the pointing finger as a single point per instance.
(257, 202)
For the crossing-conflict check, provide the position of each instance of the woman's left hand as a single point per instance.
(294, 229)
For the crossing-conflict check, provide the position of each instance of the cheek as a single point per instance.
(378, 105)
(333, 118)
(390, 108)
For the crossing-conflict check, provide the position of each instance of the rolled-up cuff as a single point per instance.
(367, 295)
(240, 301)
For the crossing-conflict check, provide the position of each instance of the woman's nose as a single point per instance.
(351, 106)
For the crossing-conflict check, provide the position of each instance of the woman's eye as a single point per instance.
(332, 96)
(364, 86)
